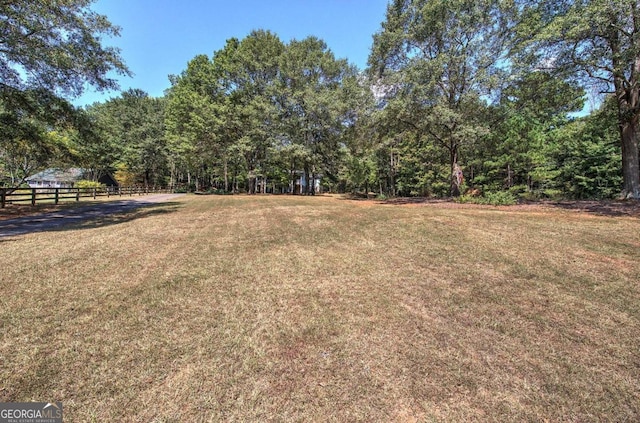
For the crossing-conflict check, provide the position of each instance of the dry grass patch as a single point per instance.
(316, 309)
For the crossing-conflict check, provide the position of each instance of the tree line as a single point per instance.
(458, 98)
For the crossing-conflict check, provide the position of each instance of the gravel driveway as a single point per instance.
(58, 219)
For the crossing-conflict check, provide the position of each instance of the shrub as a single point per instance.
(89, 184)
(463, 199)
(553, 194)
(498, 198)
(530, 196)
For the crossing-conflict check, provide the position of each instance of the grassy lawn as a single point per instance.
(238, 308)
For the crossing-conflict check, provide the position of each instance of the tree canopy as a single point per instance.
(56, 45)
(49, 50)
(459, 98)
(259, 111)
(596, 42)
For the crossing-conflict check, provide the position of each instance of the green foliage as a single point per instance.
(441, 58)
(486, 87)
(498, 198)
(587, 154)
(130, 130)
(595, 42)
(517, 154)
(258, 112)
(27, 141)
(315, 109)
(56, 46)
(89, 184)
(49, 49)
(359, 174)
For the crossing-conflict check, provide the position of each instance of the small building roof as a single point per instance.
(73, 174)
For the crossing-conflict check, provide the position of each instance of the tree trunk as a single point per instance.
(312, 184)
(628, 99)
(226, 175)
(393, 161)
(630, 161)
(455, 185)
(250, 187)
(628, 116)
(306, 180)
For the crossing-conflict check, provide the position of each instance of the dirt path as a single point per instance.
(57, 219)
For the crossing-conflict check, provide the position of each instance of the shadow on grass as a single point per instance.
(622, 208)
(609, 208)
(416, 200)
(87, 217)
(398, 201)
(17, 211)
(140, 212)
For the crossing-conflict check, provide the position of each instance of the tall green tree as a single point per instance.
(586, 154)
(48, 50)
(440, 61)
(193, 118)
(515, 154)
(598, 42)
(222, 113)
(315, 106)
(27, 141)
(133, 127)
(90, 145)
(256, 66)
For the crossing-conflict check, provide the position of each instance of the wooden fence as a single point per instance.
(55, 195)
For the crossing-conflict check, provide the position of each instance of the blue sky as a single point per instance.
(159, 37)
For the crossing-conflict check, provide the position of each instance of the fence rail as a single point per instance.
(55, 195)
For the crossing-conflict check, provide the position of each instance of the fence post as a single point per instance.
(77, 194)
(3, 196)
(33, 196)
(56, 196)
(94, 193)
